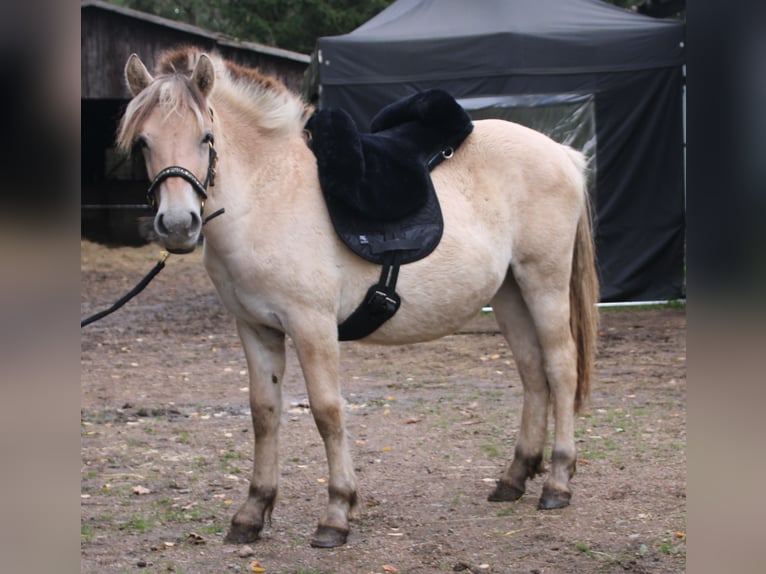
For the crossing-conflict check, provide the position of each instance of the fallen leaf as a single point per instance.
(386, 448)
(679, 534)
(389, 568)
(255, 566)
(195, 538)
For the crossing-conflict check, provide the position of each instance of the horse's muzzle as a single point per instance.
(178, 230)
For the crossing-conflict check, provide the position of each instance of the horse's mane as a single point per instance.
(261, 101)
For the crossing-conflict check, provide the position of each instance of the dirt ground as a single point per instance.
(167, 445)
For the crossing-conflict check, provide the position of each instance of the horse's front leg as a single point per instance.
(265, 353)
(316, 343)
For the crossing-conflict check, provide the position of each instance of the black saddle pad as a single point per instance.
(377, 185)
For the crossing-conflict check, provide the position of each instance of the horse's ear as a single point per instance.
(136, 74)
(204, 75)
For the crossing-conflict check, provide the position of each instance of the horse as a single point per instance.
(228, 141)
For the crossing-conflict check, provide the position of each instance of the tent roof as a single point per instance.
(439, 39)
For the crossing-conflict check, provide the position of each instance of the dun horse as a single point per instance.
(516, 234)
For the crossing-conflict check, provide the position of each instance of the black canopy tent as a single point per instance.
(526, 55)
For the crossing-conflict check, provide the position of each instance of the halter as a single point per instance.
(183, 173)
(199, 187)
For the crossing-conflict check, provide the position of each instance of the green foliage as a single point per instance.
(491, 450)
(87, 532)
(289, 24)
(582, 547)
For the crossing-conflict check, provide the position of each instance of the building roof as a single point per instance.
(223, 40)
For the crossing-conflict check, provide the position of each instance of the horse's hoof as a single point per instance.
(242, 534)
(328, 537)
(552, 499)
(505, 492)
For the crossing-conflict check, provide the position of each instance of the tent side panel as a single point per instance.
(640, 198)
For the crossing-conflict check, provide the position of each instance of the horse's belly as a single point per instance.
(438, 299)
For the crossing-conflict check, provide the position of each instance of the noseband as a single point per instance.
(183, 173)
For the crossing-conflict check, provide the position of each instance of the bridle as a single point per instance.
(183, 173)
(199, 187)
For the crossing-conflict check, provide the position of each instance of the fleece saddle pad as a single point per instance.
(377, 185)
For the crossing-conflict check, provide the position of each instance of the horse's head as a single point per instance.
(170, 121)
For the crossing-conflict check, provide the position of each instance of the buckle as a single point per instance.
(381, 303)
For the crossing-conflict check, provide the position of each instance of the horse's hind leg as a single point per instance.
(545, 289)
(265, 352)
(518, 328)
(535, 310)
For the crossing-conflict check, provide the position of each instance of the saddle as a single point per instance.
(378, 189)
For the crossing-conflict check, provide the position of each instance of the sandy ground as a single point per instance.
(167, 444)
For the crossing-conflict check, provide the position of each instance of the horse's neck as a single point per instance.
(248, 159)
(260, 181)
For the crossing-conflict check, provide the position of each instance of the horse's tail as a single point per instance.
(583, 293)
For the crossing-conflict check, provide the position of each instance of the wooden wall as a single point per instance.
(111, 33)
(114, 187)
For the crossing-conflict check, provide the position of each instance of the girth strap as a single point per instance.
(380, 303)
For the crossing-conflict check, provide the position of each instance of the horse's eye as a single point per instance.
(139, 144)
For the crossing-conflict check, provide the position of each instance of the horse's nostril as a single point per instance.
(178, 225)
(159, 222)
(196, 221)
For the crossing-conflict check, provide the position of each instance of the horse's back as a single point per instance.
(509, 193)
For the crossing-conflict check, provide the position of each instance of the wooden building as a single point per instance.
(113, 186)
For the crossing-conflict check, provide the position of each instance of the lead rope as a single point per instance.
(133, 292)
(200, 188)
